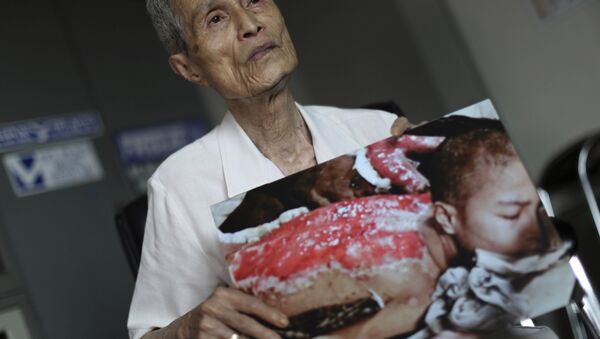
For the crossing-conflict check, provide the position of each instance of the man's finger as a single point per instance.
(248, 326)
(214, 328)
(252, 305)
(400, 125)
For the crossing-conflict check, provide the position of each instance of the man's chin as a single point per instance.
(268, 84)
(273, 87)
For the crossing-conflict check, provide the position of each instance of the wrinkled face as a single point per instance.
(241, 48)
(501, 214)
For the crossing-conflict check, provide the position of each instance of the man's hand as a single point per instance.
(402, 125)
(227, 313)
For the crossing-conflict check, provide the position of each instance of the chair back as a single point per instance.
(130, 222)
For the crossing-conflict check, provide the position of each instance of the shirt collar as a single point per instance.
(330, 137)
(245, 167)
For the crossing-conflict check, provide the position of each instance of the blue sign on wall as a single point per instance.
(45, 130)
(156, 142)
(142, 149)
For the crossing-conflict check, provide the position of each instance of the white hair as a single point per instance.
(167, 24)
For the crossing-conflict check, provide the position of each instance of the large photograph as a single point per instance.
(436, 232)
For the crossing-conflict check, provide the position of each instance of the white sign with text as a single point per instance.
(53, 167)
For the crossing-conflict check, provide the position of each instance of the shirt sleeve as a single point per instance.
(387, 120)
(175, 275)
(371, 126)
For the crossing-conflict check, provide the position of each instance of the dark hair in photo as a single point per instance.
(471, 145)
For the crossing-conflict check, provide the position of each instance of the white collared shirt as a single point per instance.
(181, 261)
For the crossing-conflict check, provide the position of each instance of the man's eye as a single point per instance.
(253, 2)
(511, 217)
(215, 19)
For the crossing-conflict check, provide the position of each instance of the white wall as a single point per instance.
(543, 76)
(353, 53)
(443, 53)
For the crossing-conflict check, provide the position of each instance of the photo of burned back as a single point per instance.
(439, 231)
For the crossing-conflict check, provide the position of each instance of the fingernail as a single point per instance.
(284, 321)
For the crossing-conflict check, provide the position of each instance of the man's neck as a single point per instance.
(275, 125)
(441, 246)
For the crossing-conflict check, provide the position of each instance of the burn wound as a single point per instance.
(355, 237)
(388, 159)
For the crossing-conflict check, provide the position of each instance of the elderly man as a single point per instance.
(242, 49)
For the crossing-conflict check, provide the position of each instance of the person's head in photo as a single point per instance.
(482, 194)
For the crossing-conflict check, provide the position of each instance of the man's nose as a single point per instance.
(533, 224)
(533, 231)
(248, 25)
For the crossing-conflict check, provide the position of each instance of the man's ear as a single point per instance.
(182, 66)
(446, 216)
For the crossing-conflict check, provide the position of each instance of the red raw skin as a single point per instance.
(388, 157)
(418, 144)
(326, 235)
